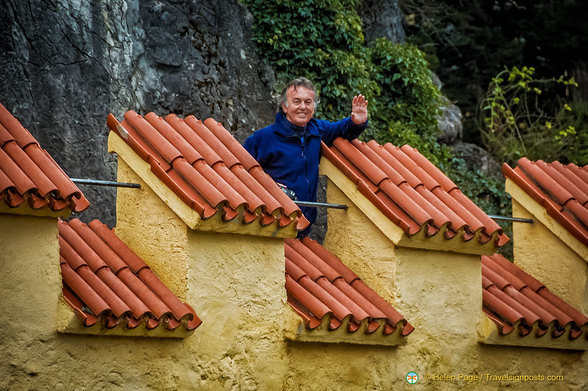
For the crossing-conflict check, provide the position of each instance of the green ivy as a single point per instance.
(323, 41)
(407, 102)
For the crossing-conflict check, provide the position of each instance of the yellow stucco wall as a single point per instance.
(351, 235)
(237, 287)
(420, 284)
(236, 284)
(30, 285)
(147, 225)
(546, 257)
(440, 294)
(315, 366)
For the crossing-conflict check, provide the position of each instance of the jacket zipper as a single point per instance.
(302, 155)
(305, 168)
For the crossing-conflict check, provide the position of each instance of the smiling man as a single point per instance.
(289, 149)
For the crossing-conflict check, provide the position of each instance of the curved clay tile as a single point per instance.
(29, 174)
(207, 168)
(106, 276)
(322, 289)
(512, 298)
(412, 192)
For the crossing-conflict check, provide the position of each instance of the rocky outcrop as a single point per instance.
(65, 65)
(478, 159)
(451, 131)
(382, 18)
(449, 122)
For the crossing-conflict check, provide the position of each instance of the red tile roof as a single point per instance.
(515, 300)
(561, 189)
(29, 174)
(322, 289)
(207, 168)
(411, 191)
(105, 281)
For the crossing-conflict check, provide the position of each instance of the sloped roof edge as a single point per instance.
(28, 174)
(412, 193)
(109, 286)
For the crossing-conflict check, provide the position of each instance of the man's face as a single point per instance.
(300, 107)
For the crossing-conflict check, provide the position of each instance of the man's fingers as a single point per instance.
(359, 100)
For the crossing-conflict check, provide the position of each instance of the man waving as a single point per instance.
(289, 149)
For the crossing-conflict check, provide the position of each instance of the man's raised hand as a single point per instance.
(359, 111)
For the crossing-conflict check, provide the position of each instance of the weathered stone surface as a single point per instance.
(65, 65)
(382, 18)
(478, 159)
(451, 127)
(450, 122)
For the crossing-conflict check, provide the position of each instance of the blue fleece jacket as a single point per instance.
(290, 154)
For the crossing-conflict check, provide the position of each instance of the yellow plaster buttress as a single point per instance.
(148, 225)
(541, 215)
(235, 282)
(389, 229)
(548, 252)
(29, 247)
(189, 216)
(420, 283)
(440, 293)
(393, 232)
(364, 248)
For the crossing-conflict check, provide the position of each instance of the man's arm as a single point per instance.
(251, 145)
(350, 127)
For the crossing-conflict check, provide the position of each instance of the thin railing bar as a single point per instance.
(99, 182)
(320, 205)
(515, 219)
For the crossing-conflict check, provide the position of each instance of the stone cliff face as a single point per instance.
(382, 18)
(64, 65)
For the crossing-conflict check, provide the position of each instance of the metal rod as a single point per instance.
(320, 205)
(516, 219)
(98, 182)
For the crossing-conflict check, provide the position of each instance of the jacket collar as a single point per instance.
(288, 129)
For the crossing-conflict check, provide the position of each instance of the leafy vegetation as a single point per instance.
(323, 41)
(526, 116)
(469, 46)
(406, 106)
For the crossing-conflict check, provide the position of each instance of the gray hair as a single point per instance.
(300, 82)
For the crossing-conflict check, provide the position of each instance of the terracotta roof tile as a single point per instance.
(104, 280)
(29, 174)
(321, 288)
(516, 300)
(207, 168)
(411, 191)
(561, 189)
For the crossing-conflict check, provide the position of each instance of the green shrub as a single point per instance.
(525, 116)
(407, 102)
